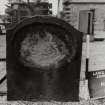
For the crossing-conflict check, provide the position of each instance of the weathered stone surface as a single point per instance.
(96, 56)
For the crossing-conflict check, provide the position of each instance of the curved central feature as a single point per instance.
(42, 50)
(43, 60)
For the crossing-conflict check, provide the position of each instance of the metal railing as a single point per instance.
(3, 93)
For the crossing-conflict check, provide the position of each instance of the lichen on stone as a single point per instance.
(42, 50)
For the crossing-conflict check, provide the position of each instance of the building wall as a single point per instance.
(75, 8)
(87, 0)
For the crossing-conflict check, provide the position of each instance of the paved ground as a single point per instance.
(97, 62)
